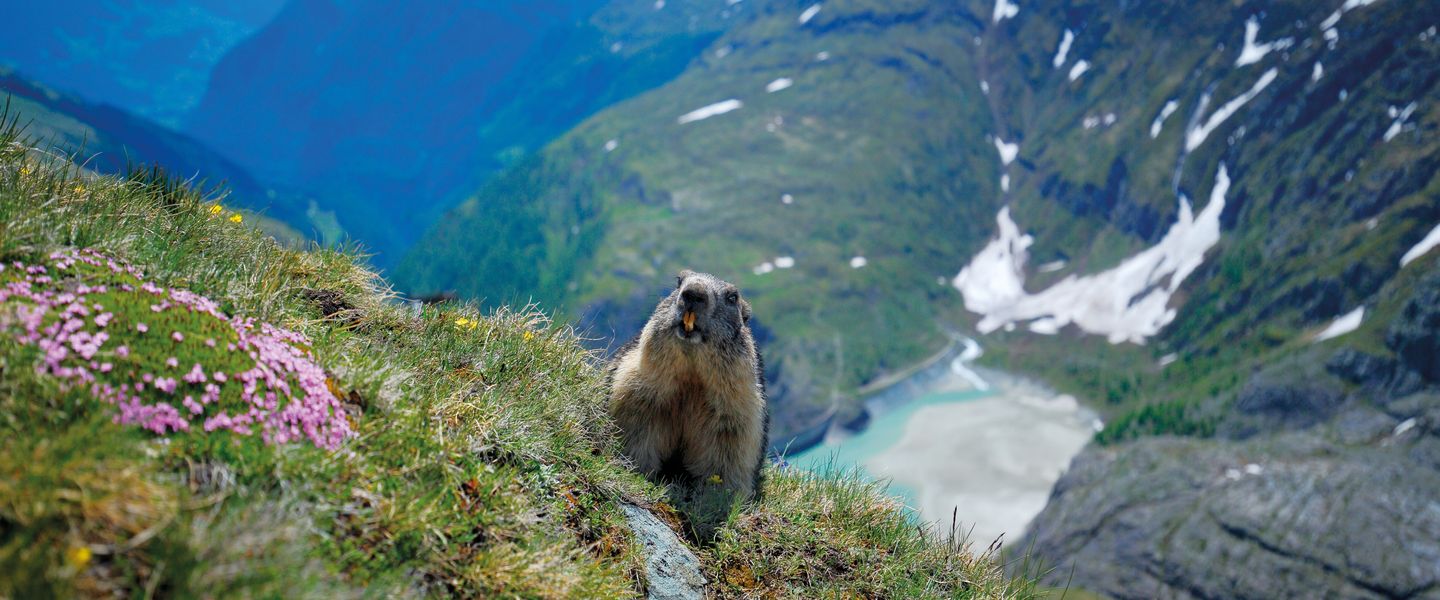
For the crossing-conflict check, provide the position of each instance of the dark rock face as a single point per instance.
(1288, 517)
(1415, 335)
(1270, 403)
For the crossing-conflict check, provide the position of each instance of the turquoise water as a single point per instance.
(883, 432)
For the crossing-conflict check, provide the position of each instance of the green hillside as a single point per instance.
(109, 140)
(333, 442)
(887, 151)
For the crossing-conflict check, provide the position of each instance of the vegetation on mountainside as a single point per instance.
(873, 144)
(893, 131)
(113, 141)
(471, 453)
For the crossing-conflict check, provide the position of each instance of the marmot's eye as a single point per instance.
(732, 297)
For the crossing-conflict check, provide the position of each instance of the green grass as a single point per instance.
(483, 463)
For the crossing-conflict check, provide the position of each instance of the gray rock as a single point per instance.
(672, 571)
(1363, 425)
(1282, 517)
(1274, 402)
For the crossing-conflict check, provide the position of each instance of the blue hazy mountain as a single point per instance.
(391, 116)
(153, 58)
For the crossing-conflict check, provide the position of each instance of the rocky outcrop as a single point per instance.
(672, 572)
(1297, 515)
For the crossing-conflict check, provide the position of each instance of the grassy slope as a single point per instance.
(482, 464)
(110, 140)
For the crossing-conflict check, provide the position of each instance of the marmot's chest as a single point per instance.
(688, 396)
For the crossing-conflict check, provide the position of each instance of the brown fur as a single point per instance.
(692, 410)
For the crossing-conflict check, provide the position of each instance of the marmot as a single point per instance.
(689, 392)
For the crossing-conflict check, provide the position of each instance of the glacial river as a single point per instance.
(988, 455)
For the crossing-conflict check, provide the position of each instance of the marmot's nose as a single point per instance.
(692, 297)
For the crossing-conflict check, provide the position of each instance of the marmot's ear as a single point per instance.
(684, 274)
(744, 311)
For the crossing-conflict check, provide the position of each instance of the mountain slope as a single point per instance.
(151, 57)
(393, 129)
(1207, 211)
(108, 140)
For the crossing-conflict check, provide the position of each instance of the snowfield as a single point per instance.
(1126, 304)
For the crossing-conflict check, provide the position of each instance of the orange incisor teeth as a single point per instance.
(689, 319)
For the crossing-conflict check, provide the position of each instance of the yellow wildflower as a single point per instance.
(25, 171)
(715, 479)
(78, 556)
(464, 323)
(529, 336)
(216, 209)
(79, 189)
(236, 218)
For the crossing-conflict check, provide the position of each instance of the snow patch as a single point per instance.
(1081, 66)
(611, 145)
(787, 199)
(659, 4)
(1159, 122)
(1400, 116)
(1004, 9)
(1317, 72)
(960, 366)
(1345, 324)
(778, 84)
(1169, 359)
(1045, 326)
(1252, 52)
(858, 261)
(784, 262)
(1005, 182)
(1421, 249)
(822, 56)
(1007, 151)
(1051, 266)
(1253, 469)
(984, 87)
(1063, 51)
(764, 268)
(809, 13)
(1126, 303)
(1404, 426)
(705, 112)
(1197, 134)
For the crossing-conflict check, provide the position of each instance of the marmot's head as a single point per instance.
(702, 309)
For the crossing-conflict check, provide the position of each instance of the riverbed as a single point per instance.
(979, 444)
